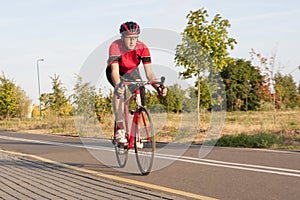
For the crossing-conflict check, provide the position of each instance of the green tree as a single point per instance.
(8, 98)
(177, 100)
(171, 102)
(152, 100)
(46, 100)
(265, 67)
(286, 91)
(242, 82)
(23, 102)
(103, 105)
(204, 43)
(84, 99)
(177, 97)
(56, 101)
(13, 100)
(190, 102)
(60, 101)
(205, 101)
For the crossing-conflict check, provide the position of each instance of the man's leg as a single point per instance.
(118, 110)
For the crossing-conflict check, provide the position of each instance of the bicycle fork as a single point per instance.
(134, 128)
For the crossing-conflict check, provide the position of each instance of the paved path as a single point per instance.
(225, 173)
(24, 178)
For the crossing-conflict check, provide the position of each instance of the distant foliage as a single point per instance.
(206, 98)
(177, 100)
(281, 90)
(24, 104)
(56, 102)
(190, 102)
(103, 105)
(13, 100)
(152, 100)
(180, 100)
(286, 91)
(243, 86)
(84, 99)
(8, 100)
(88, 103)
(169, 103)
(265, 67)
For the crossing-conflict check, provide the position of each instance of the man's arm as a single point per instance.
(115, 73)
(150, 75)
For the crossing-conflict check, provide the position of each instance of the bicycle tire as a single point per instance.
(121, 151)
(144, 142)
(121, 154)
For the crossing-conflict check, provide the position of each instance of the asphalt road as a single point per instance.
(180, 171)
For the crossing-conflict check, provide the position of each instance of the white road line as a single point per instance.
(241, 168)
(229, 163)
(215, 163)
(56, 143)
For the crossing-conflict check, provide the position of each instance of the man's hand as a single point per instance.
(162, 90)
(119, 90)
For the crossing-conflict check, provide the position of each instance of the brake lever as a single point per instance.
(162, 82)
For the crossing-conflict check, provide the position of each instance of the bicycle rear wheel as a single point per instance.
(121, 151)
(144, 142)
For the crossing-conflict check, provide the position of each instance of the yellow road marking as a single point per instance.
(112, 177)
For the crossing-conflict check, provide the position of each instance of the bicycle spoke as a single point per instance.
(121, 151)
(144, 143)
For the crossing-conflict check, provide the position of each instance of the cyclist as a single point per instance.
(125, 55)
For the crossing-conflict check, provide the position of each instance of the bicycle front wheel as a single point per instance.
(121, 154)
(144, 142)
(121, 151)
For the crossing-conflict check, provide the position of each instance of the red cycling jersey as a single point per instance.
(128, 60)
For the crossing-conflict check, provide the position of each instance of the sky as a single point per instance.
(65, 32)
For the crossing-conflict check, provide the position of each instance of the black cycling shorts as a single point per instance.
(134, 75)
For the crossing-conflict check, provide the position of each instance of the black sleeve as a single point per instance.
(146, 59)
(113, 59)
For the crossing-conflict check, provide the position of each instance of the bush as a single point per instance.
(261, 140)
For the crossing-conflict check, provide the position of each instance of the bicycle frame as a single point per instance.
(140, 135)
(135, 121)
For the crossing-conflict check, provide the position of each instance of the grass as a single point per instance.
(243, 129)
(49, 125)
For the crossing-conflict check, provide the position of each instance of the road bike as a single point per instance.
(140, 135)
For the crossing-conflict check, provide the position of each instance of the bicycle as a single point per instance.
(140, 135)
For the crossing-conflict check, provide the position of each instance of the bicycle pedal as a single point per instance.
(122, 145)
(113, 140)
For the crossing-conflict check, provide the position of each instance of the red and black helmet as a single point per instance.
(130, 28)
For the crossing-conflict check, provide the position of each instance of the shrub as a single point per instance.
(260, 140)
